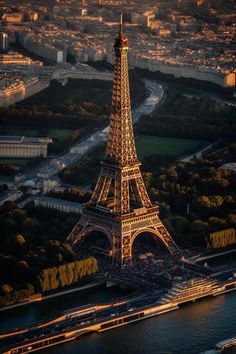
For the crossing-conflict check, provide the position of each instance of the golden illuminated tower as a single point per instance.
(120, 206)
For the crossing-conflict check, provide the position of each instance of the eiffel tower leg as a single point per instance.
(126, 251)
(116, 244)
(106, 187)
(159, 233)
(97, 190)
(143, 192)
(78, 231)
(164, 235)
(122, 246)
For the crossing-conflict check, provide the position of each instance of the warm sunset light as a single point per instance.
(117, 176)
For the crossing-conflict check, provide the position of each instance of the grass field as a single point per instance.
(150, 145)
(59, 134)
(15, 162)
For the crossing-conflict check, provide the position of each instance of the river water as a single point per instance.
(192, 329)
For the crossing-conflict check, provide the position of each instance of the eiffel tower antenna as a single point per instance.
(121, 23)
(120, 206)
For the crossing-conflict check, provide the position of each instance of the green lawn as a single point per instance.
(59, 134)
(18, 131)
(150, 145)
(15, 162)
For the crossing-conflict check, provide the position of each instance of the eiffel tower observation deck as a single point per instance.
(120, 206)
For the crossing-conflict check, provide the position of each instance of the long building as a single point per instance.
(24, 147)
(225, 79)
(178, 70)
(41, 49)
(18, 59)
(65, 206)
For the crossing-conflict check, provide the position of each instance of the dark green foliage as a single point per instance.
(7, 170)
(3, 188)
(11, 167)
(200, 187)
(78, 105)
(85, 171)
(81, 104)
(10, 296)
(74, 194)
(29, 242)
(190, 118)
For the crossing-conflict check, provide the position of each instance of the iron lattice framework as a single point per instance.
(120, 206)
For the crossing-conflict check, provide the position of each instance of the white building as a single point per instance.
(24, 147)
(58, 204)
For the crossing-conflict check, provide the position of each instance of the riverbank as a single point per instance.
(117, 314)
(29, 91)
(205, 256)
(41, 297)
(201, 321)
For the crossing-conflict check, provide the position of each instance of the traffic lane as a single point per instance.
(103, 315)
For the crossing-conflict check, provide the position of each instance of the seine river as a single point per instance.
(193, 328)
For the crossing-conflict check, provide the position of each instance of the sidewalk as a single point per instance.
(61, 293)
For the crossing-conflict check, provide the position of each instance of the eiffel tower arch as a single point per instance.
(120, 206)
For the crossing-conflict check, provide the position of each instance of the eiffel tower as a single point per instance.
(120, 206)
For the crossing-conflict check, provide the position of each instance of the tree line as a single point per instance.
(191, 118)
(196, 198)
(221, 238)
(78, 104)
(31, 240)
(66, 274)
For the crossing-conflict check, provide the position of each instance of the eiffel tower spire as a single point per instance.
(120, 146)
(120, 206)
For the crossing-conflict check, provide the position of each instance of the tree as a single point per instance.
(18, 215)
(199, 230)
(66, 274)
(216, 222)
(232, 219)
(6, 289)
(180, 224)
(19, 240)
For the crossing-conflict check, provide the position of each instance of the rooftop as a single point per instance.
(9, 139)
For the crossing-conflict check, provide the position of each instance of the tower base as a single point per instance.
(121, 230)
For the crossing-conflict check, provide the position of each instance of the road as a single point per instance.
(74, 320)
(197, 154)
